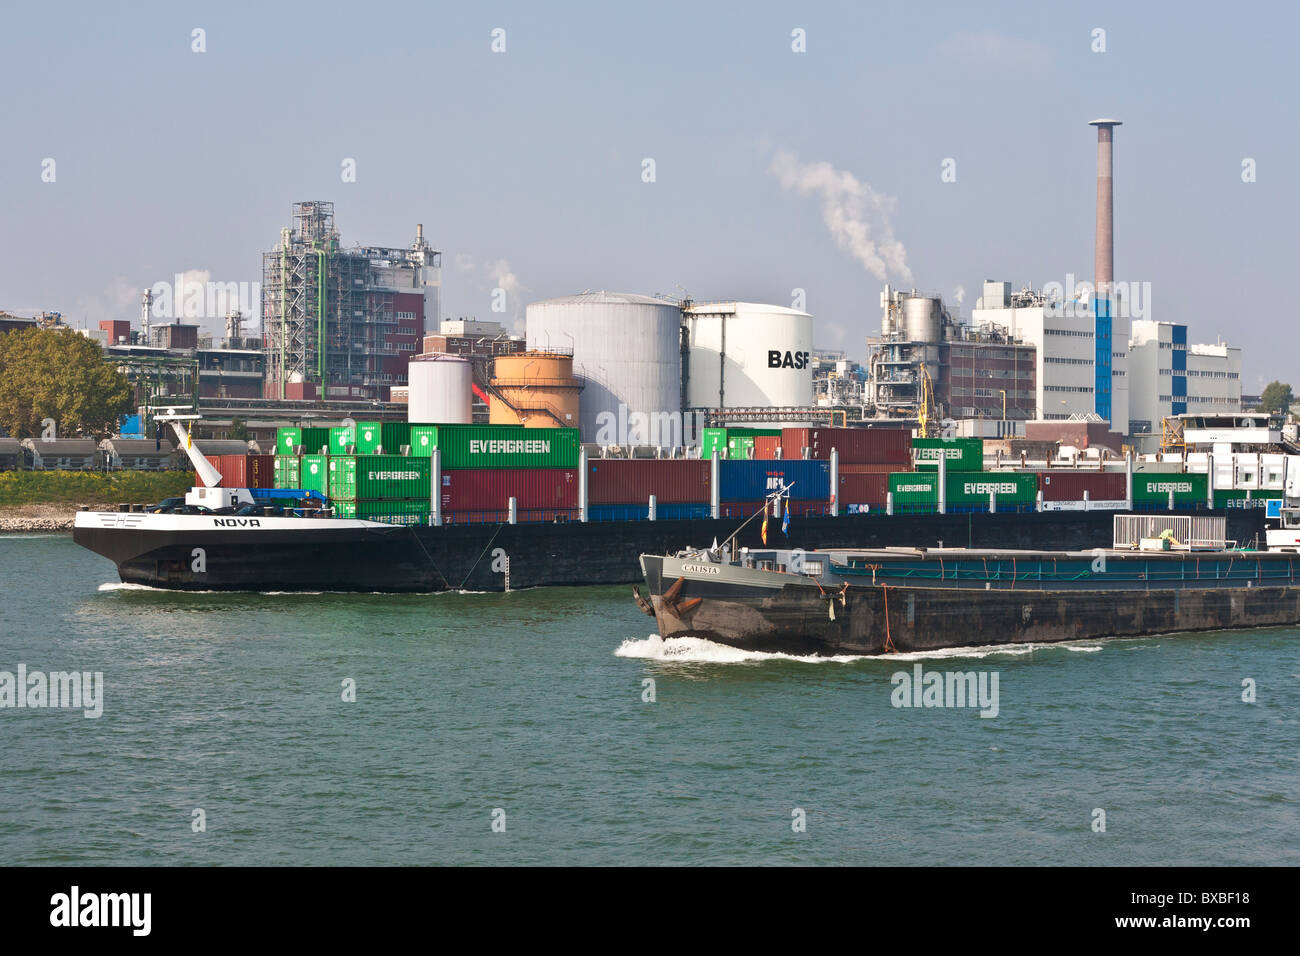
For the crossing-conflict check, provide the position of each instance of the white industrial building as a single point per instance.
(1171, 377)
(1064, 334)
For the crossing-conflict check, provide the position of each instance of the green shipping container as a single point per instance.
(740, 448)
(393, 435)
(314, 475)
(1154, 488)
(363, 477)
(342, 437)
(301, 441)
(963, 454)
(497, 446)
(369, 437)
(912, 489)
(973, 488)
(1242, 498)
(410, 511)
(288, 471)
(711, 440)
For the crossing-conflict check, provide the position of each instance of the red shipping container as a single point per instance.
(245, 471)
(631, 481)
(857, 468)
(863, 489)
(856, 445)
(1070, 485)
(766, 447)
(490, 489)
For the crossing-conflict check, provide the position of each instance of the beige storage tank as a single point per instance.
(536, 389)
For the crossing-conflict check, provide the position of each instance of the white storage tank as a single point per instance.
(440, 391)
(747, 355)
(627, 354)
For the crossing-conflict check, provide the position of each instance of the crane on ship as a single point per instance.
(927, 410)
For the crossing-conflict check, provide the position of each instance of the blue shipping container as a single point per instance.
(755, 480)
(674, 512)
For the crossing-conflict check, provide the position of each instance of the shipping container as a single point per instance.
(914, 490)
(301, 441)
(798, 509)
(919, 490)
(766, 447)
(369, 437)
(408, 511)
(633, 480)
(497, 446)
(633, 512)
(1243, 498)
(313, 475)
(963, 454)
(754, 480)
(857, 468)
(394, 436)
(1070, 485)
(288, 471)
(862, 489)
(733, 442)
(490, 489)
(361, 477)
(245, 471)
(855, 445)
(972, 489)
(342, 438)
(1188, 489)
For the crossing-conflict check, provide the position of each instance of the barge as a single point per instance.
(877, 601)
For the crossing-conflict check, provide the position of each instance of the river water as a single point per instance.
(518, 729)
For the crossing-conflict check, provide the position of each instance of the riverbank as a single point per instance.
(42, 501)
(36, 518)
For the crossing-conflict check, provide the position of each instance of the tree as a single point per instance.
(1277, 397)
(59, 375)
(238, 429)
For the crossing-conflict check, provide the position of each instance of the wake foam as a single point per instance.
(697, 650)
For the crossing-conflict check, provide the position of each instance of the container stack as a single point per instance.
(619, 489)
(245, 471)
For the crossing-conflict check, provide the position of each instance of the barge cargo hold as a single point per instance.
(865, 602)
(208, 552)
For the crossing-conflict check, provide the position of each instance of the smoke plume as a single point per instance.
(857, 216)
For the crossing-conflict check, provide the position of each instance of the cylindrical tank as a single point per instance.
(746, 355)
(627, 354)
(922, 319)
(535, 389)
(440, 390)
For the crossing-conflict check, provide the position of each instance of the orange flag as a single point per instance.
(765, 524)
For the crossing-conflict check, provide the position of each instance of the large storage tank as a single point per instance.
(626, 352)
(534, 389)
(745, 355)
(440, 390)
(922, 319)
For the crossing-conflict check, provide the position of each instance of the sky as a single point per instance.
(925, 145)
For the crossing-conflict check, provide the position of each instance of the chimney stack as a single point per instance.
(1104, 265)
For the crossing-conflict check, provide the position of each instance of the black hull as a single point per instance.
(797, 619)
(474, 557)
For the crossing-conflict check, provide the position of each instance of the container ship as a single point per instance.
(1163, 574)
(407, 507)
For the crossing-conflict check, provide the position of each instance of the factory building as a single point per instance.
(981, 371)
(343, 323)
(1170, 377)
(1065, 345)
